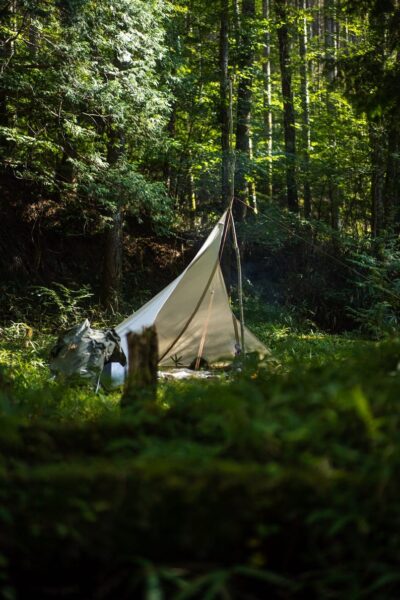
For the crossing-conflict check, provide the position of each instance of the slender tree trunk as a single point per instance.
(6, 51)
(378, 149)
(316, 31)
(268, 118)
(330, 39)
(305, 102)
(331, 73)
(65, 176)
(236, 25)
(244, 99)
(224, 98)
(169, 171)
(112, 263)
(392, 187)
(288, 106)
(112, 258)
(191, 192)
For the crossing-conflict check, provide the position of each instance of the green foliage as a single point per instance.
(379, 312)
(299, 453)
(74, 76)
(61, 305)
(123, 185)
(280, 479)
(318, 277)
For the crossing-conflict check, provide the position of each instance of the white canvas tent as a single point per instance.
(192, 314)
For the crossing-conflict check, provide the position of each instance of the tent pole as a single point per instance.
(232, 154)
(240, 286)
(230, 217)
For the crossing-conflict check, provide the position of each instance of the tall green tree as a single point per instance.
(225, 93)
(245, 66)
(80, 81)
(371, 72)
(289, 122)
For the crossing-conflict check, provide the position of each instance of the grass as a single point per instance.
(280, 481)
(24, 355)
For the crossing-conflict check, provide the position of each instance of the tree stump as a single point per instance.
(141, 383)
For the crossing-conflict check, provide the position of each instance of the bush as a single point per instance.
(268, 483)
(336, 281)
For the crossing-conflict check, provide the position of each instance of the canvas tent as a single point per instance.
(192, 314)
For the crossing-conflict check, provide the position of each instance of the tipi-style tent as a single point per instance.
(192, 314)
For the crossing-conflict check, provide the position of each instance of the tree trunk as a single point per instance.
(141, 383)
(191, 192)
(112, 264)
(331, 73)
(169, 170)
(268, 119)
(392, 188)
(236, 25)
(315, 34)
(224, 98)
(113, 248)
(305, 103)
(6, 52)
(330, 39)
(288, 106)
(65, 178)
(378, 150)
(244, 100)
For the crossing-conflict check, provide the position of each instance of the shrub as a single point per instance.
(268, 483)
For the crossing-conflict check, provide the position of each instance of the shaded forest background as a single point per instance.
(280, 477)
(114, 150)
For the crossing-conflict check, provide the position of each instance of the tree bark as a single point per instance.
(224, 99)
(378, 150)
(169, 170)
(305, 103)
(331, 74)
(246, 58)
(392, 178)
(191, 192)
(330, 39)
(112, 264)
(268, 118)
(288, 106)
(113, 247)
(6, 51)
(141, 383)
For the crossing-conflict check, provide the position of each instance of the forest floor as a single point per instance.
(24, 353)
(289, 464)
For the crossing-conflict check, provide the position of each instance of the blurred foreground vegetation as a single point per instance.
(279, 480)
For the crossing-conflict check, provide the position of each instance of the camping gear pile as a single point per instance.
(83, 352)
(195, 325)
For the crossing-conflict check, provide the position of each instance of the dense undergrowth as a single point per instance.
(278, 481)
